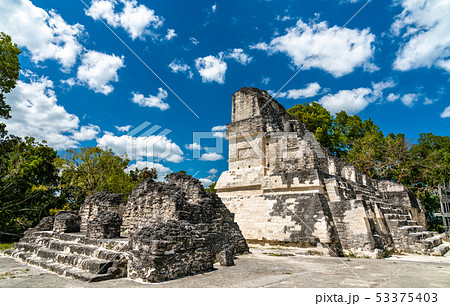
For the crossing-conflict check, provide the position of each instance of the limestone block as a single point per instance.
(67, 222)
(105, 225)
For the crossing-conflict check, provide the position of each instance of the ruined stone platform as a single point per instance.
(164, 231)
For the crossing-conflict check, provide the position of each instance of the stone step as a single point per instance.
(412, 229)
(59, 268)
(390, 217)
(422, 235)
(401, 223)
(391, 210)
(431, 242)
(90, 264)
(440, 250)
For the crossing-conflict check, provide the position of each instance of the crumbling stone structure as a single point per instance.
(285, 188)
(169, 230)
(97, 203)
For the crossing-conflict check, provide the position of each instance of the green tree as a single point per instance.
(89, 170)
(28, 185)
(9, 74)
(212, 188)
(316, 119)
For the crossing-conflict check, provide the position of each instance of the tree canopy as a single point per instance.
(9, 74)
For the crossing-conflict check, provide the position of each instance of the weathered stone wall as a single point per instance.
(101, 201)
(172, 249)
(66, 222)
(181, 198)
(105, 225)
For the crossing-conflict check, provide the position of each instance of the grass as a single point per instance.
(5, 246)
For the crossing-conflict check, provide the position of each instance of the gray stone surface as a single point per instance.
(269, 270)
(101, 201)
(105, 225)
(182, 198)
(66, 222)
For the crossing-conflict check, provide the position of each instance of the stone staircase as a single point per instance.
(409, 236)
(73, 255)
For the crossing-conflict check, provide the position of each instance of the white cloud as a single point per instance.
(152, 101)
(265, 80)
(124, 128)
(211, 68)
(260, 46)
(311, 90)
(137, 19)
(354, 101)
(428, 101)
(194, 41)
(98, 69)
(219, 131)
(423, 26)
(205, 181)
(239, 56)
(345, 52)
(45, 34)
(446, 112)
(213, 171)
(160, 169)
(87, 132)
(155, 147)
(214, 8)
(193, 146)
(392, 97)
(409, 99)
(170, 34)
(35, 113)
(178, 66)
(211, 156)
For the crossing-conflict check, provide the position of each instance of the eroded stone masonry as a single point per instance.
(163, 231)
(286, 189)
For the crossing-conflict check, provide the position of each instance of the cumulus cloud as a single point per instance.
(137, 19)
(153, 147)
(349, 49)
(160, 169)
(239, 56)
(35, 113)
(355, 100)
(46, 35)
(124, 128)
(152, 101)
(98, 69)
(178, 65)
(205, 181)
(392, 97)
(213, 171)
(219, 131)
(311, 90)
(170, 34)
(212, 156)
(409, 99)
(423, 27)
(193, 146)
(211, 68)
(87, 132)
(446, 112)
(265, 80)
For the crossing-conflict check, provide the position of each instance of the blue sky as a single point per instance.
(82, 86)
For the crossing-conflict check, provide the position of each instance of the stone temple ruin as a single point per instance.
(282, 188)
(286, 189)
(164, 231)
